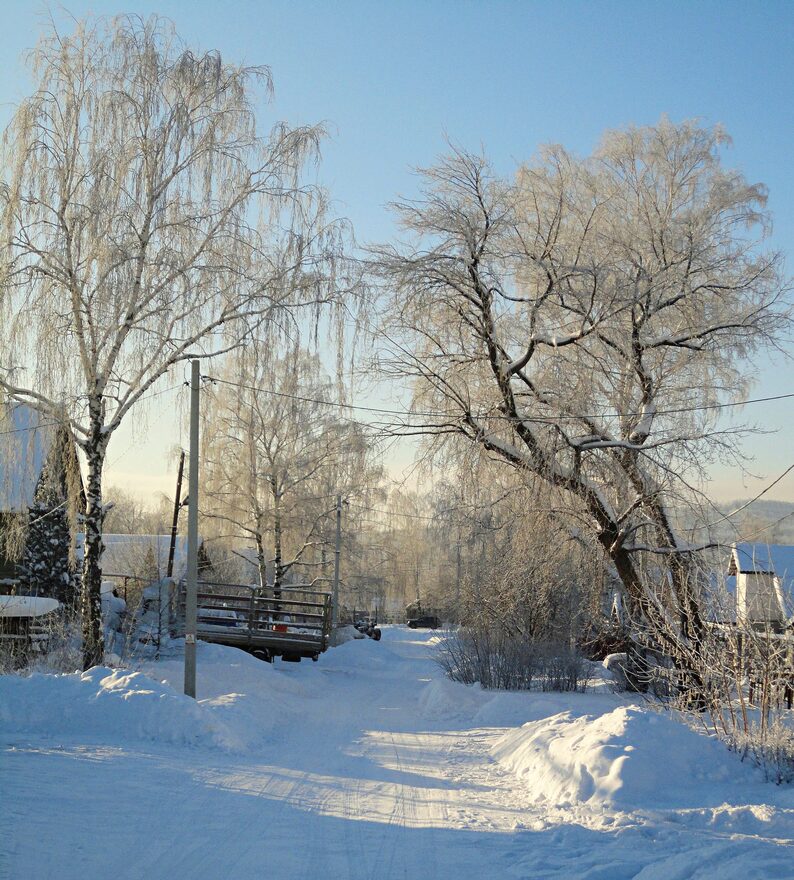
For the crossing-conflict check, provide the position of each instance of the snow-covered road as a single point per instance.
(367, 764)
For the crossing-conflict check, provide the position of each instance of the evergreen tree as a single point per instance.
(47, 566)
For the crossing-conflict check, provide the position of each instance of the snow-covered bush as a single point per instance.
(539, 585)
(738, 681)
(501, 661)
(154, 618)
(771, 747)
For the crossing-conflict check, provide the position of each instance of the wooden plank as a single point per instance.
(278, 641)
(222, 599)
(247, 591)
(293, 625)
(210, 600)
(280, 602)
(257, 615)
(261, 615)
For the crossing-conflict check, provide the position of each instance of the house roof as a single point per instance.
(777, 559)
(25, 441)
(127, 554)
(774, 559)
(720, 599)
(26, 606)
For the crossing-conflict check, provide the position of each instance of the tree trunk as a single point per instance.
(260, 562)
(91, 604)
(278, 570)
(679, 646)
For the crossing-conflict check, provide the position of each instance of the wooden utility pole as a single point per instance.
(175, 522)
(457, 574)
(192, 535)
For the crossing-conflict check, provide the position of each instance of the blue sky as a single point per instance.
(392, 79)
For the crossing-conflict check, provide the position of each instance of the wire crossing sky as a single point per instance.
(394, 80)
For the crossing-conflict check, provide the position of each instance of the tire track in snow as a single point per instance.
(397, 817)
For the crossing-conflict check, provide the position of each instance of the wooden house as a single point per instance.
(760, 581)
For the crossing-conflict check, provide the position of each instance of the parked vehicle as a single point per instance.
(369, 627)
(221, 617)
(428, 621)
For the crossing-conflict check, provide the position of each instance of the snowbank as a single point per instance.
(343, 634)
(627, 758)
(248, 698)
(445, 699)
(104, 704)
(242, 702)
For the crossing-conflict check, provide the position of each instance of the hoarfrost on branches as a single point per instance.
(583, 322)
(145, 220)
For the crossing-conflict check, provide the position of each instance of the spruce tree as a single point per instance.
(47, 567)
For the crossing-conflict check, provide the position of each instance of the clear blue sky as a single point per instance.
(392, 78)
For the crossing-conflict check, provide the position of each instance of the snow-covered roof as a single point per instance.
(719, 601)
(777, 559)
(26, 606)
(128, 554)
(26, 438)
(773, 559)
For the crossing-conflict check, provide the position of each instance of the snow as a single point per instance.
(643, 428)
(775, 559)
(104, 705)
(26, 606)
(760, 558)
(627, 758)
(343, 634)
(24, 446)
(126, 554)
(367, 763)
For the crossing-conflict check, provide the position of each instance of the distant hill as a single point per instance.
(770, 521)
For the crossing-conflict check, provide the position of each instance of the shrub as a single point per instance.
(504, 662)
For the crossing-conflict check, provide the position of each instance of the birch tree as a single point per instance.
(277, 454)
(579, 323)
(145, 220)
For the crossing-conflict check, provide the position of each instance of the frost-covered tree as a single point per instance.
(579, 322)
(48, 566)
(128, 515)
(45, 567)
(277, 452)
(145, 220)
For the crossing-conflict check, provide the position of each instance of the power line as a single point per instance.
(30, 428)
(395, 513)
(769, 526)
(746, 504)
(540, 419)
(162, 391)
(303, 399)
(69, 420)
(48, 513)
